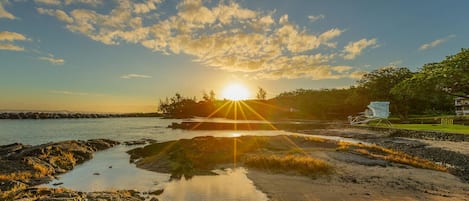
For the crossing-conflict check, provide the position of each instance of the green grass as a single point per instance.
(432, 127)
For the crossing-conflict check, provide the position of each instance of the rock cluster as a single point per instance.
(458, 162)
(427, 135)
(23, 166)
(50, 194)
(67, 115)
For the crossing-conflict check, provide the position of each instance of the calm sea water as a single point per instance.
(121, 129)
(115, 171)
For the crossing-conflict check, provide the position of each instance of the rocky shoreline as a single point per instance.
(69, 115)
(23, 167)
(407, 141)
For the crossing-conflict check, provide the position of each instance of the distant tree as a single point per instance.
(205, 96)
(261, 94)
(178, 106)
(450, 75)
(212, 96)
(378, 85)
(423, 96)
(322, 104)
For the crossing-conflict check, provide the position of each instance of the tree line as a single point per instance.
(430, 90)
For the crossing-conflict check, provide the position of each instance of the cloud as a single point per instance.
(75, 93)
(436, 42)
(4, 13)
(7, 38)
(50, 58)
(353, 49)
(146, 7)
(59, 14)
(12, 36)
(48, 2)
(219, 34)
(69, 93)
(357, 74)
(395, 63)
(93, 3)
(11, 47)
(132, 76)
(313, 18)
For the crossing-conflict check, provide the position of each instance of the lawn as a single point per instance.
(433, 127)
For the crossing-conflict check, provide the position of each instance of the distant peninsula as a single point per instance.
(70, 115)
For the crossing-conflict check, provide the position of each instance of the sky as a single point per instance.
(126, 55)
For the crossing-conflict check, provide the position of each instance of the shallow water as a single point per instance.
(110, 170)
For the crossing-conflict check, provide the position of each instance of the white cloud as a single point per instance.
(357, 74)
(353, 49)
(146, 7)
(436, 42)
(395, 63)
(69, 93)
(49, 2)
(87, 2)
(4, 13)
(50, 58)
(131, 76)
(59, 14)
(313, 18)
(12, 36)
(75, 93)
(8, 38)
(11, 47)
(220, 34)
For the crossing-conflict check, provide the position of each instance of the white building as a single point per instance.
(462, 105)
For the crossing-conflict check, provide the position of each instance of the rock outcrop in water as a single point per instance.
(24, 166)
(69, 115)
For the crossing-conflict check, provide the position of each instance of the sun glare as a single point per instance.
(235, 92)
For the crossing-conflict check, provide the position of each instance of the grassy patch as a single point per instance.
(431, 127)
(390, 155)
(303, 165)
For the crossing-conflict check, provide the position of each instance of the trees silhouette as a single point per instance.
(261, 94)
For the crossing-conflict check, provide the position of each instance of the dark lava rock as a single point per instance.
(142, 141)
(101, 144)
(6, 150)
(459, 162)
(22, 166)
(157, 192)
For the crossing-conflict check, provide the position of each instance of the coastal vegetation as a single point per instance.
(463, 129)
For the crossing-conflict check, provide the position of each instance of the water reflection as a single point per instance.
(111, 170)
(231, 184)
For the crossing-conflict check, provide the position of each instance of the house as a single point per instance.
(462, 106)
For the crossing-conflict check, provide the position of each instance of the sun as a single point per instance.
(235, 92)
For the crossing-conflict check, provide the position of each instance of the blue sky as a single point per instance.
(124, 55)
